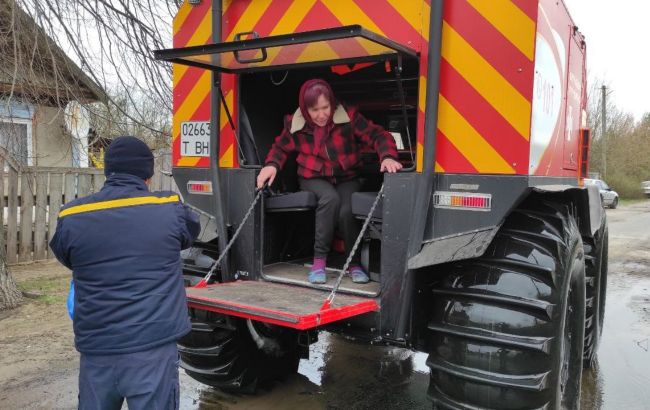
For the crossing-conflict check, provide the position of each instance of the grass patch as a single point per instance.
(54, 291)
(625, 201)
(52, 299)
(48, 285)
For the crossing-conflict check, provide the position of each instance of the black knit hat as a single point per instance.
(128, 155)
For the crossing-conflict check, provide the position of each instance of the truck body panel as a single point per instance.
(505, 65)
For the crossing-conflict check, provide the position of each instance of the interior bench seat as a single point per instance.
(362, 202)
(292, 201)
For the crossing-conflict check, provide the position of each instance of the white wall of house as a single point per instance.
(52, 143)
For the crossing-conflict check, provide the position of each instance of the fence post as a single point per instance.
(98, 181)
(12, 216)
(70, 186)
(56, 192)
(84, 185)
(26, 215)
(2, 199)
(40, 216)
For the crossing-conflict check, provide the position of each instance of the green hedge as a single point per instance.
(626, 186)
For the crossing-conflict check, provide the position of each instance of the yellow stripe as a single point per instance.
(251, 16)
(511, 21)
(422, 94)
(347, 12)
(411, 11)
(289, 23)
(419, 157)
(182, 14)
(192, 101)
(224, 117)
(469, 142)
(486, 80)
(225, 5)
(227, 160)
(246, 22)
(293, 17)
(201, 35)
(317, 52)
(426, 20)
(422, 102)
(420, 160)
(178, 71)
(187, 161)
(118, 203)
(203, 32)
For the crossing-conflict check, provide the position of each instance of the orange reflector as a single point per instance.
(462, 200)
(199, 187)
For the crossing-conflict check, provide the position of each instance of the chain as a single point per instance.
(330, 298)
(214, 267)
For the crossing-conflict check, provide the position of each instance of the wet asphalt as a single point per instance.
(342, 374)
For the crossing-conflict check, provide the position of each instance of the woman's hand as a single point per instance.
(267, 174)
(389, 165)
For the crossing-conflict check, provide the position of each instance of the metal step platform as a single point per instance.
(279, 304)
(295, 274)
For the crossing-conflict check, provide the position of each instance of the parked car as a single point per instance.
(646, 188)
(607, 194)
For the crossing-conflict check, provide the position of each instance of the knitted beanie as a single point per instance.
(128, 155)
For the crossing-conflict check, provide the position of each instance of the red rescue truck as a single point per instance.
(486, 251)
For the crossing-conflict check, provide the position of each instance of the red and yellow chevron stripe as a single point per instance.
(486, 86)
(486, 78)
(192, 86)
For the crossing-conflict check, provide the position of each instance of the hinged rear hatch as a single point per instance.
(339, 45)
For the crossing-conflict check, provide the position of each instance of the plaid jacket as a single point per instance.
(338, 158)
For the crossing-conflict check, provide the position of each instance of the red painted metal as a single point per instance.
(321, 313)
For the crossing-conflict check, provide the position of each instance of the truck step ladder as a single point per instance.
(279, 304)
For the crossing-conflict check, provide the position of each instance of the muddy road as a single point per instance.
(38, 363)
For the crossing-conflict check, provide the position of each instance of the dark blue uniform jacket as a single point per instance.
(123, 245)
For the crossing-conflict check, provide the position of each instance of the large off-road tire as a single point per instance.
(596, 281)
(222, 352)
(507, 329)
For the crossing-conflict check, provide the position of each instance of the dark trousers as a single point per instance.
(147, 380)
(334, 209)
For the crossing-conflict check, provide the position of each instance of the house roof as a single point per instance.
(39, 57)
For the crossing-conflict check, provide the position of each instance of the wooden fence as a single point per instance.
(32, 196)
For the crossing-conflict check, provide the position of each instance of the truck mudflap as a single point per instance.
(279, 304)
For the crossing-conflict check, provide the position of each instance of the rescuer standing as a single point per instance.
(123, 246)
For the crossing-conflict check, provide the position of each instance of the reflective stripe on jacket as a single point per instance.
(123, 246)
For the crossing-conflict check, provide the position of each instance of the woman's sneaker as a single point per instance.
(317, 276)
(358, 274)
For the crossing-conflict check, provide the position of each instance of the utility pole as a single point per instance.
(603, 123)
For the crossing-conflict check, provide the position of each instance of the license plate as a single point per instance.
(195, 139)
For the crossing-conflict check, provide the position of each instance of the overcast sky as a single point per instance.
(618, 48)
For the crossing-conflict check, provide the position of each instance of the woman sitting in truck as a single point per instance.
(328, 138)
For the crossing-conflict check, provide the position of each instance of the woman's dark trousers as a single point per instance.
(334, 209)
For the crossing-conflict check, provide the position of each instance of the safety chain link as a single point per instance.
(214, 267)
(330, 298)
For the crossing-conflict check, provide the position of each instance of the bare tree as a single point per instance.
(43, 43)
(627, 144)
(113, 41)
(10, 296)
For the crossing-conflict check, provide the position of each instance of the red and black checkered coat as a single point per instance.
(339, 156)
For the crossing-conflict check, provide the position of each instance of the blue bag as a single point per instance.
(71, 300)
